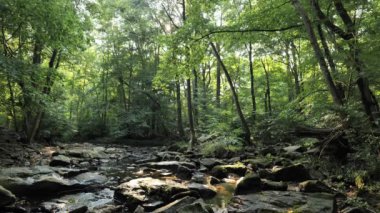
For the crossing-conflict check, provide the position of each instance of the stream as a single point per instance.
(151, 176)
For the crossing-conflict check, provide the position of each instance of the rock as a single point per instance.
(205, 191)
(291, 173)
(181, 169)
(184, 173)
(273, 185)
(259, 162)
(279, 201)
(268, 150)
(314, 186)
(222, 171)
(214, 180)
(6, 197)
(169, 156)
(184, 194)
(46, 185)
(140, 190)
(69, 172)
(82, 209)
(356, 210)
(60, 160)
(198, 206)
(248, 184)
(175, 205)
(210, 163)
(107, 209)
(152, 206)
(24, 172)
(234, 160)
(139, 209)
(198, 177)
(90, 178)
(295, 148)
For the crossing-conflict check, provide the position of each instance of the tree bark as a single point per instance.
(247, 132)
(326, 49)
(368, 99)
(195, 96)
(267, 90)
(218, 78)
(193, 139)
(317, 51)
(295, 70)
(180, 130)
(252, 78)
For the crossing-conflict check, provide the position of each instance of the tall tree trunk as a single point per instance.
(290, 76)
(252, 78)
(204, 90)
(326, 49)
(267, 89)
(195, 96)
(218, 79)
(193, 139)
(317, 51)
(247, 132)
(295, 70)
(368, 99)
(13, 104)
(180, 130)
(46, 90)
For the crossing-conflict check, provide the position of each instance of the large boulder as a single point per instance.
(205, 191)
(291, 173)
(210, 163)
(6, 197)
(314, 186)
(183, 170)
(143, 190)
(248, 184)
(222, 171)
(279, 201)
(44, 186)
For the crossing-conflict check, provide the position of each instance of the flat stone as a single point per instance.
(279, 201)
(210, 163)
(60, 160)
(175, 205)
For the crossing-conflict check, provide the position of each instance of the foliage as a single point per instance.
(222, 147)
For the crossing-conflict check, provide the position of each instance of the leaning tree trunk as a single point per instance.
(247, 132)
(218, 79)
(368, 99)
(317, 51)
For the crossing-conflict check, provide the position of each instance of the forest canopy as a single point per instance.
(182, 69)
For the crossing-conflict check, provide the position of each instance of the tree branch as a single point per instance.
(325, 20)
(249, 30)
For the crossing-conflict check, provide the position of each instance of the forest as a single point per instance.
(190, 106)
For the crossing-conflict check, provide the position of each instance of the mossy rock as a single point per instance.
(222, 171)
